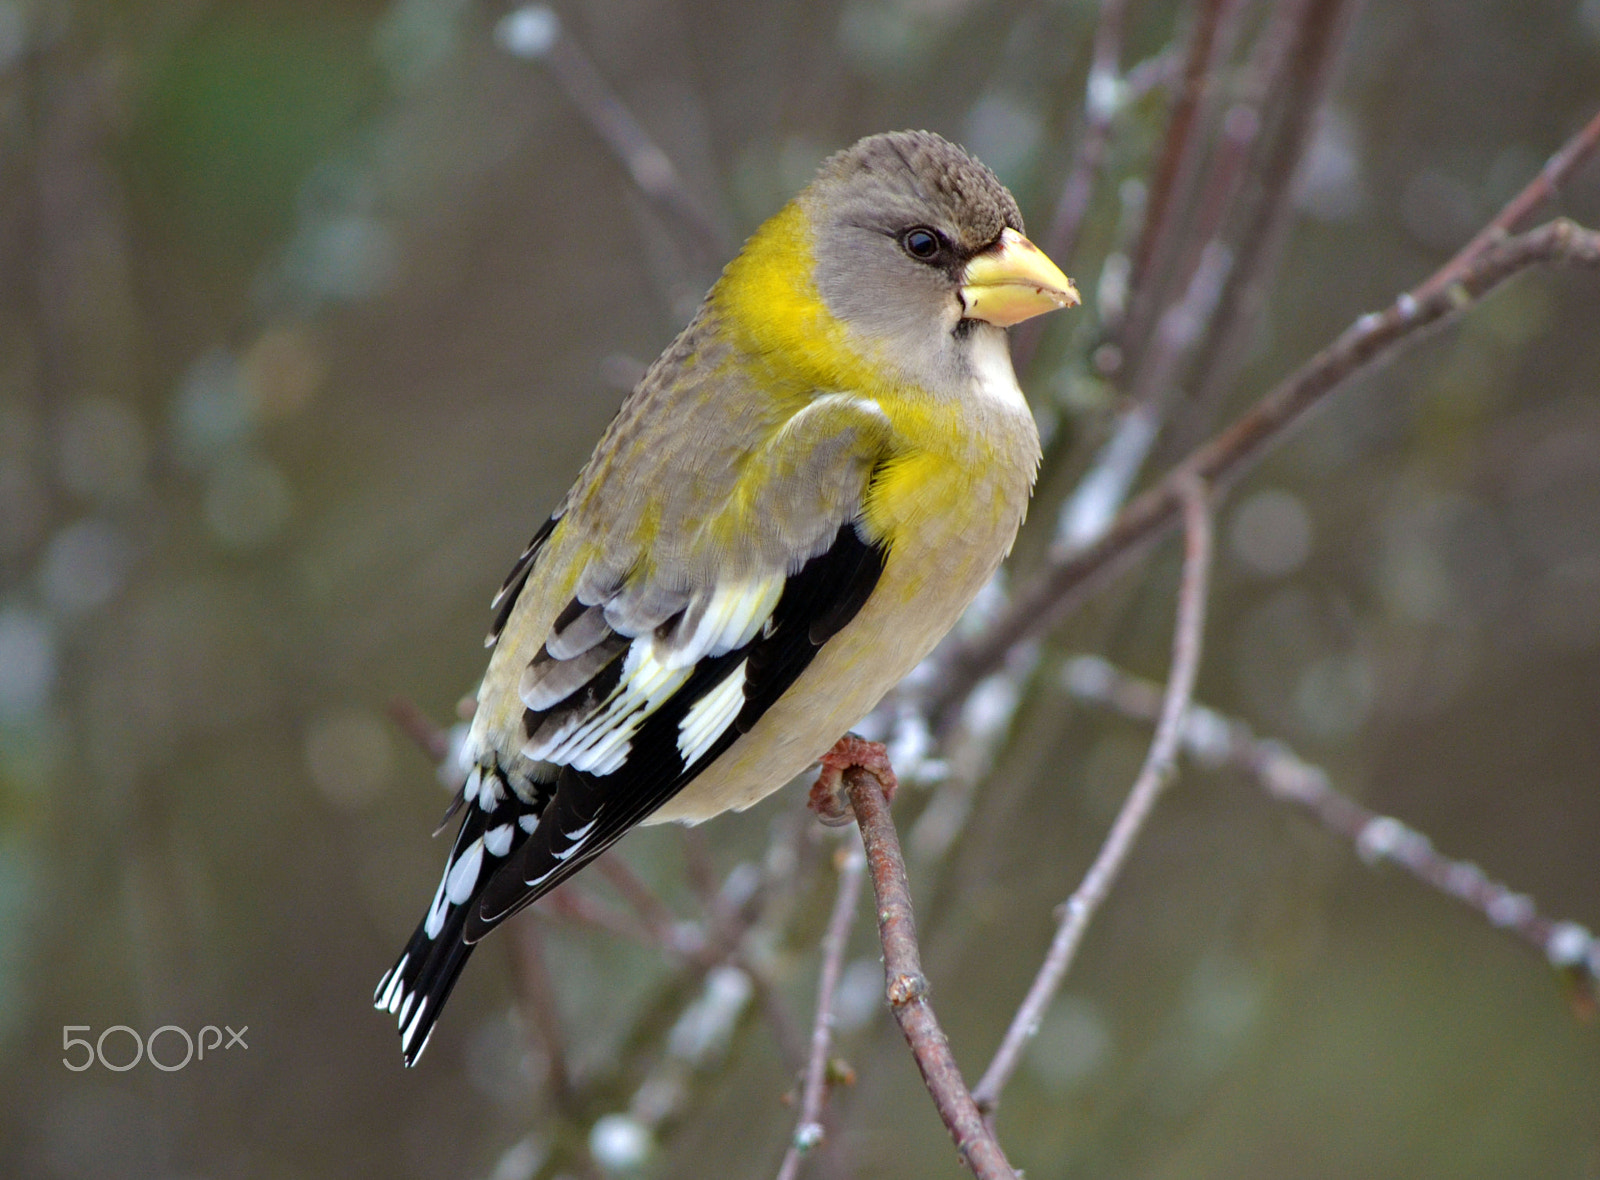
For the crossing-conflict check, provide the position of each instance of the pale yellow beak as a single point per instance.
(1013, 281)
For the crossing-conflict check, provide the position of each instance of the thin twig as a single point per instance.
(1240, 126)
(535, 32)
(652, 911)
(1312, 34)
(574, 904)
(907, 988)
(1179, 145)
(1216, 740)
(786, 1034)
(1541, 188)
(1158, 769)
(1100, 104)
(1053, 593)
(698, 865)
(419, 727)
(809, 1131)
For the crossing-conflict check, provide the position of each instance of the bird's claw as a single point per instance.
(828, 798)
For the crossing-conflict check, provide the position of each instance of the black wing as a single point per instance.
(618, 729)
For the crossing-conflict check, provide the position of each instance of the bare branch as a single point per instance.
(651, 910)
(1555, 172)
(1063, 586)
(1179, 147)
(572, 903)
(536, 32)
(1290, 75)
(1213, 739)
(907, 988)
(1099, 106)
(809, 1131)
(1159, 765)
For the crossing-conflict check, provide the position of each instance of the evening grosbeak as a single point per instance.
(792, 507)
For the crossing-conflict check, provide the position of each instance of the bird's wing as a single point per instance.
(643, 681)
(654, 714)
(659, 658)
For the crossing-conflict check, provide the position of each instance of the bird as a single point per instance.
(794, 504)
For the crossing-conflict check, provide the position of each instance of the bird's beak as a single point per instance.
(1013, 281)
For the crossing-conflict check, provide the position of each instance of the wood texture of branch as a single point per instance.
(1159, 766)
(907, 988)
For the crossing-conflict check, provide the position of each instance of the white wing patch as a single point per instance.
(711, 715)
(656, 666)
(497, 841)
(599, 743)
(731, 616)
(436, 912)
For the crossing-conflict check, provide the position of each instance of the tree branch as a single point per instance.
(907, 988)
(1541, 188)
(1060, 588)
(809, 1131)
(1224, 741)
(1100, 104)
(535, 32)
(1159, 765)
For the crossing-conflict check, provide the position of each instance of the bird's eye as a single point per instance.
(921, 243)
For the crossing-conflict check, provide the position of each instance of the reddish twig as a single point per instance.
(907, 988)
(652, 911)
(1100, 104)
(1178, 148)
(809, 1131)
(1158, 769)
(1241, 124)
(786, 1034)
(1298, 52)
(1062, 586)
(698, 865)
(574, 904)
(1217, 740)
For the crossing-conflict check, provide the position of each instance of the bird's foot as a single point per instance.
(828, 797)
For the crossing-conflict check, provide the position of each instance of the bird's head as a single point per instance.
(900, 254)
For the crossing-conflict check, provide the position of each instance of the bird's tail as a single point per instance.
(415, 989)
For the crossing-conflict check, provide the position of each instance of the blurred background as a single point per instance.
(312, 310)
